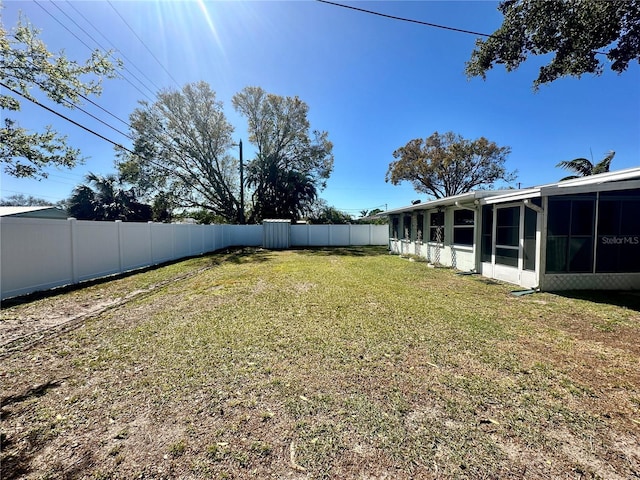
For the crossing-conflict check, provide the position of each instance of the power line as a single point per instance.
(98, 119)
(63, 25)
(420, 22)
(117, 145)
(64, 117)
(102, 47)
(403, 19)
(144, 44)
(73, 105)
(91, 49)
(76, 106)
(104, 110)
(117, 50)
(67, 119)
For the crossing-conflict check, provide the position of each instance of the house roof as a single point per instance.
(34, 212)
(621, 179)
(463, 198)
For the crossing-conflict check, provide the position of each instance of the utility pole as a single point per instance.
(242, 219)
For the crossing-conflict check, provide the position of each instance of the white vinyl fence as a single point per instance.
(38, 254)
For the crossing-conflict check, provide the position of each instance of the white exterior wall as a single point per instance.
(460, 257)
(455, 256)
(463, 258)
(38, 254)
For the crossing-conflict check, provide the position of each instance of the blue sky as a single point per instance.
(372, 83)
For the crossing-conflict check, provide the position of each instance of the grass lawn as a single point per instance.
(332, 363)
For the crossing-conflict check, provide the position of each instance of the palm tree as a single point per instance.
(105, 198)
(278, 192)
(583, 167)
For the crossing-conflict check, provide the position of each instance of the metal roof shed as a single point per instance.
(277, 234)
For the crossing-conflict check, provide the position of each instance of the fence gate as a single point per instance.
(276, 234)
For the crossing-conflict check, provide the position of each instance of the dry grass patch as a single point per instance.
(334, 363)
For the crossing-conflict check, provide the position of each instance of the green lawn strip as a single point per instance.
(350, 358)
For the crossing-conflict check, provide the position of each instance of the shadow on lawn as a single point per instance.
(241, 255)
(17, 464)
(364, 251)
(16, 457)
(627, 299)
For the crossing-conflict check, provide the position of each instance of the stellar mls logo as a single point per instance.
(630, 240)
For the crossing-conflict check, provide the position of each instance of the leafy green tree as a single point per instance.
(204, 217)
(181, 143)
(372, 219)
(20, 200)
(292, 162)
(322, 213)
(25, 63)
(447, 164)
(579, 34)
(82, 204)
(279, 193)
(162, 207)
(106, 198)
(583, 167)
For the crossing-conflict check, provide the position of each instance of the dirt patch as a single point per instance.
(31, 322)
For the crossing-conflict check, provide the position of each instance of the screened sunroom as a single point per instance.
(577, 234)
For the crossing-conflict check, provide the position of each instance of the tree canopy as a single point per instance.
(292, 161)
(580, 34)
(321, 213)
(25, 62)
(107, 198)
(447, 164)
(583, 167)
(181, 145)
(21, 200)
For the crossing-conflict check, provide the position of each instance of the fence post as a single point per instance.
(120, 246)
(173, 241)
(150, 243)
(73, 231)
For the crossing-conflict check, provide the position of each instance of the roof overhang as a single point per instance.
(469, 198)
(603, 182)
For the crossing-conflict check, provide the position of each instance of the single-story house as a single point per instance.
(576, 234)
(50, 212)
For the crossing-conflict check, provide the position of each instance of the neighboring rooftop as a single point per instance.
(34, 212)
